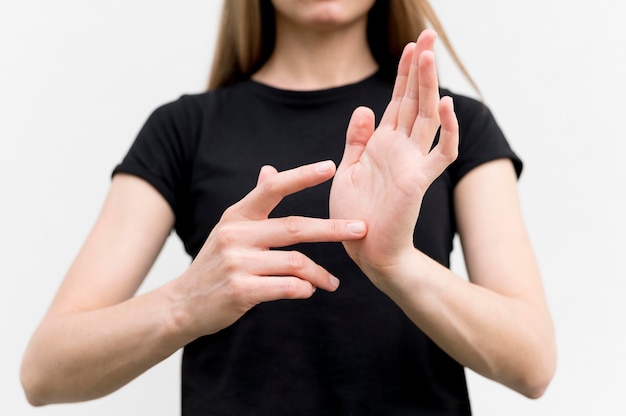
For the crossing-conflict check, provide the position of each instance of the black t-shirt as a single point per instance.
(352, 352)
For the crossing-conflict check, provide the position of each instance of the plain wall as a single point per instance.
(79, 78)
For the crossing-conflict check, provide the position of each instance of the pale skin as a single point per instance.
(97, 336)
(498, 324)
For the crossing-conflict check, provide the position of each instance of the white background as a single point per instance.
(79, 77)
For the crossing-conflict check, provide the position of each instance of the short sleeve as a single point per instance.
(162, 151)
(480, 139)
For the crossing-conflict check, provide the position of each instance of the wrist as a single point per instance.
(178, 318)
(402, 273)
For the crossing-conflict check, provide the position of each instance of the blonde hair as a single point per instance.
(246, 36)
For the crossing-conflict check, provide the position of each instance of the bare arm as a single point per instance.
(498, 324)
(96, 336)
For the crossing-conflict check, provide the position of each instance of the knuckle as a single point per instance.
(334, 228)
(229, 212)
(297, 261)
(226, 235)
(303, 174)
(268, 185)
(293, 225)
(449, 154)
(290, 289)
(429, 119)
(229, 262)
(237, 289)
(454, 153)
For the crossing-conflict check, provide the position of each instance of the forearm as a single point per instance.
(84, 355)
(93, 341)
(506, 339)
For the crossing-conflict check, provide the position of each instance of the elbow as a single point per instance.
(538, 364)
(35, 387)
(536, 380)
(33, 401)
(536, 389)
(31, 387)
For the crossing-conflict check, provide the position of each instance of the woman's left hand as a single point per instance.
(497, 323)
(385, 172)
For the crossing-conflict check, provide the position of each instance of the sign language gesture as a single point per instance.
(385, 172)
(235, 269)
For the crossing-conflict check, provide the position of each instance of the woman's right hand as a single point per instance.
(97, 335)
(236, 268)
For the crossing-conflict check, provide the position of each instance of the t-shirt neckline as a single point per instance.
(326, 93)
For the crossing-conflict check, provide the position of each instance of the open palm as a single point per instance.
(385, 171)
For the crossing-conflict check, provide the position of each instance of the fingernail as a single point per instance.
(324, 167)
(357, 227)
(334, 282)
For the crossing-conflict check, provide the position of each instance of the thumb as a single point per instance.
(360, 129)
(266, 172)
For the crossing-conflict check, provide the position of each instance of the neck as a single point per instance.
(318, 59)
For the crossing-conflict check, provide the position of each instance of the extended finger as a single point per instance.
(448, 145)
(447, 148)
(427, 121)
(410, 105)
(360, 129)
(286, 231)
(273, 186)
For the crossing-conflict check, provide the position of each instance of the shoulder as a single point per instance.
(475, 117)
(480, 137)
(469, 110)
(185, 106)
(190, 113)
(199, 105)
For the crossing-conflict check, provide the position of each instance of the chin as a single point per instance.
(323, 13)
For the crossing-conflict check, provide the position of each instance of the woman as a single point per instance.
(237, 172)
